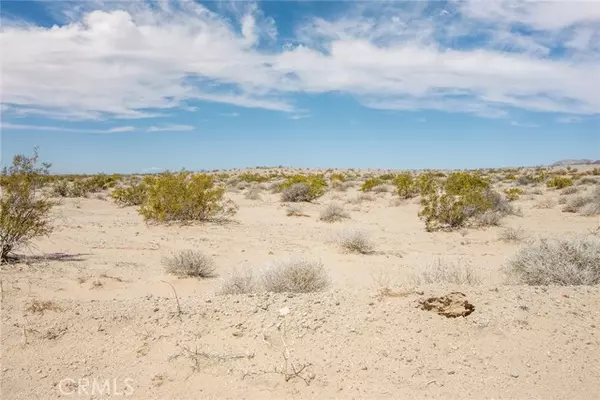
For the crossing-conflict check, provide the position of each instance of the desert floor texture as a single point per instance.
(114, 316)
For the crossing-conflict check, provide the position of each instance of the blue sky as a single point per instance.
(145, 86)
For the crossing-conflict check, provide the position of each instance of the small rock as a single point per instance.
(284, 311)
(514, 375)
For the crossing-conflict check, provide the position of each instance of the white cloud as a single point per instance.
(231, 114)
(25, 127)
(133, 61)
(171, 128)
(524, 124)
(569, 120)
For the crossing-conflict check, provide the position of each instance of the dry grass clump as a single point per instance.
(253, 193)
(587, 181)
(569, 190)
(588, 205)
(333, 213)
(355, 241)
(360, 198)
(447, 272)
(40, 307)
(560, 261)
(381, 189)
(512, 235)
(294, 210)
(545, 204)
(239, 283)
(296, 193)
(190, 263)
(295, 276)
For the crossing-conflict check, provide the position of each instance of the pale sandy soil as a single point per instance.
(117, 319)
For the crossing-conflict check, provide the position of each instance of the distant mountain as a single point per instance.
(563, 163)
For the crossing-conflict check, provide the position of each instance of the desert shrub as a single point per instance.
(190, 263)
(250, 177)
(380, 189)
(545, 204)
(465, 183)
(562, 200)
(295, 211)
(184, 197)
(97, 183)
(360, 198)
(370, 183)
(427, 182)
(569, 190)
(239, 283)
(462, 198)
(60, 188)
(337, 177)
(513, 194)
(559, 182)
(303, 188)
(253, 193)
(406, 186)
(333, 213)
(134, 195)
(587, 205)
(509, 235)
(79, 188)
(587, 181)
(355, 241)
(387, 177)
(447, 273)
(339, 186)
(295, 276)
(24, 208)
(560, 261)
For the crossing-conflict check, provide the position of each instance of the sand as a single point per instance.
(115, 330)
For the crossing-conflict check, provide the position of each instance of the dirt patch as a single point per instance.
(452, 305)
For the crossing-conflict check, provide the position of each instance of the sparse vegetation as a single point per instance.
(185, 197)
(586, 205)
(299, 188)
(447, 273)
(333, 213)
(190, 263)
(560, 261)
(406, 186)
(295, 276)
(239, 282)
(134, 195)
(356, 241)
(370, 183)
(513, 194)
(294, 210)
(511, 235)
(24, 208)
(559, 182)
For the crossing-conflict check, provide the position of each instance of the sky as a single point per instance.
(140, 86)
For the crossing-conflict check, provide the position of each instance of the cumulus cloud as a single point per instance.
(136, 60)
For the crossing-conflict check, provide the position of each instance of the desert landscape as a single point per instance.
(348, 292)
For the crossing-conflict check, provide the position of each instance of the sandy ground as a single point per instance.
(115, 330)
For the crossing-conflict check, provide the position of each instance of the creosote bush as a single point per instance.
(333, 213)
(560, 261)
(406, 186)
(134, 195)
(513, 194)
(184, 197)
(303, 188)
(295, 276)
(462, 198)
(559, 182)
(355, 241)
(370, 183)
(188, 263)
(24, 208)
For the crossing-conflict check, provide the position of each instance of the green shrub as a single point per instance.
(462, 197)
(24, 209)
(130, 196)
(250, 177)
(337, 177)
(461, 183)
(427, 182)
(184, 197)
(315, 187)
(513, 194)
(370, 183)
(387, 177)
(60, 188)
(559, 182)
(406, 186)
